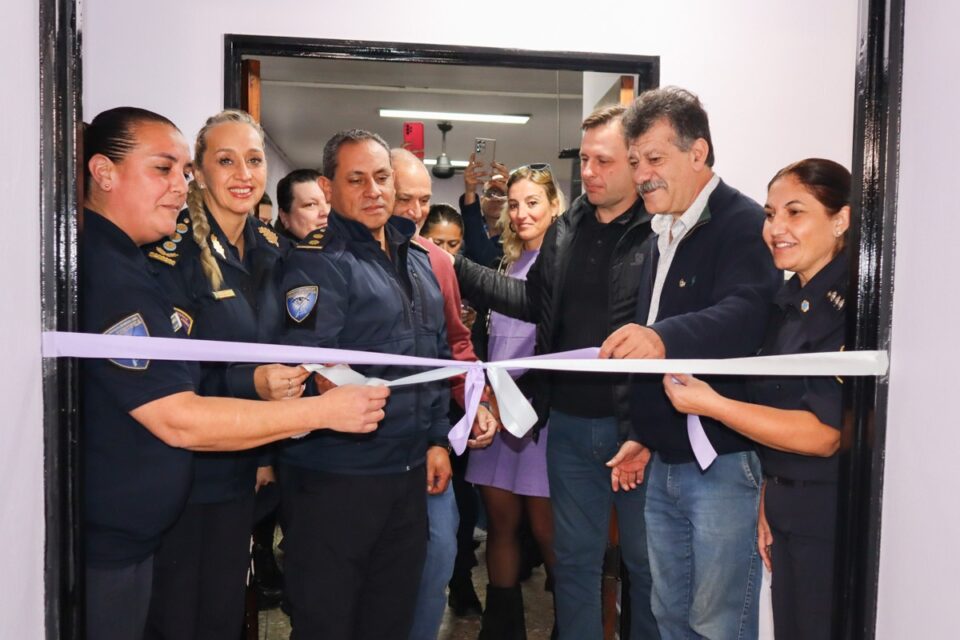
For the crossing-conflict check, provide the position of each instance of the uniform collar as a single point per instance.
(832, 276)
(111, 233)
(229, 252)
(398, 230)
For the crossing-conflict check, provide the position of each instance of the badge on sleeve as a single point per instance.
(181, 320)
(132, 325)
(301, 301)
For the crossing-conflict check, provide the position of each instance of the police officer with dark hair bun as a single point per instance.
(796, 420)
(142, 416)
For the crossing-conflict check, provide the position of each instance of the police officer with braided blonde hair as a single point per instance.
(219, 267)
(141, 418)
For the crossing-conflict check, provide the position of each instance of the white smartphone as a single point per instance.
(484, 150)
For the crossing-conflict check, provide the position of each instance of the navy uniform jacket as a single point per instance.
(806, 320)
(342, 291)
(715, 303)
(242, 310)
(135, 486)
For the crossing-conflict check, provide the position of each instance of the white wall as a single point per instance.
(919, 563)
(776, 75)
(21, 430)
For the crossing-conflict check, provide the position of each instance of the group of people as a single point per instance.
(658, 258)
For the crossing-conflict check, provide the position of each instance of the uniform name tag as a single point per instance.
(224, 294)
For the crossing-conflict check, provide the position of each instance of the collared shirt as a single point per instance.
(670, 231)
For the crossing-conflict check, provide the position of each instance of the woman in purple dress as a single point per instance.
(512, 472)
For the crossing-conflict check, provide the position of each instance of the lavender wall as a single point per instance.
(919, 563)
(21, 430)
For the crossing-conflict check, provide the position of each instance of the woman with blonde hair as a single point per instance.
(512, 472)
(219, 269)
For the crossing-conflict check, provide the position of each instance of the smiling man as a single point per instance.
(358, 524)
(583, 285)
(705, 292)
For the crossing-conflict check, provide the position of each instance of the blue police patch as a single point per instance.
(132, 325)
(301, 301)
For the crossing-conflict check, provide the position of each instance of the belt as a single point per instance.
(790, 482)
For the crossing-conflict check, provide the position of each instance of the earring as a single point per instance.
(106, 186)
(512, 227)
(202, 186)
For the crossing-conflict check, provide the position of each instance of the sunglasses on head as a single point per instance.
(534, 166)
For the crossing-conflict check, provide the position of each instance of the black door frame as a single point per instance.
(876, 139)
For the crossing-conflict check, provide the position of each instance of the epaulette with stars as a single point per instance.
(315, 240)
(167, 251)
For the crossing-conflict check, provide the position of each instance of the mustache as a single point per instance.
(649, 185)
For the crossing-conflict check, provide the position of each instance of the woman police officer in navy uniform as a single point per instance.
(796, 420)
(219, 268)
(141, 417)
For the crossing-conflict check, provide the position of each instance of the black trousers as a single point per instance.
(200, 571)
(117, 600)
(802, 520)
(468, 505)
(354, 554)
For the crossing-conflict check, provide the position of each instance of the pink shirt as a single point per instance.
(458, 336)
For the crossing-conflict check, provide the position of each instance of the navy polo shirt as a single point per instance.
(242, 309)
(806, 319)
(135, 486)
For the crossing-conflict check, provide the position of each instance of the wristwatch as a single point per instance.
(437, 443)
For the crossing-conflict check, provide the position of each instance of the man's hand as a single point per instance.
(633, 341)
(628, 465)
(438, 470)
(473, 176)
(279, 381)
(354, 408)
(485, 426)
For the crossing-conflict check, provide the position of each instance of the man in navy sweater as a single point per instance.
(707, 285)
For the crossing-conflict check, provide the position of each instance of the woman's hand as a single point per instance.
(485, 427)
(690, 395)
(764, 535)
(279, 381)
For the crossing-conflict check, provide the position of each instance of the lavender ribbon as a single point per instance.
(516, 414)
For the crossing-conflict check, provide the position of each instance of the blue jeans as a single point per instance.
(702, 534)
(438, 567)
(580, 492)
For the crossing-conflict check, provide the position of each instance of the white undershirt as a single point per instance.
(670, 231)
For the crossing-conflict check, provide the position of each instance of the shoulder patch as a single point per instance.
(132, 325)
(301, 301)
(182, 318)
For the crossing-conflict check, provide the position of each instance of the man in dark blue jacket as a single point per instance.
(358, 523)
(706, 287)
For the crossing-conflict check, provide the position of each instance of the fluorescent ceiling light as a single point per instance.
(460, 117)
(453, 163)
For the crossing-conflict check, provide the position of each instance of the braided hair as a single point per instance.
(199, 222)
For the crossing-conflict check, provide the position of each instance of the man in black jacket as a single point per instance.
(708, 282)
(583, 286)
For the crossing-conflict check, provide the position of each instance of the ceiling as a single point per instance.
(305, 101)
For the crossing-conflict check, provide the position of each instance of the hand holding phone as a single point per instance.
(484, 152)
